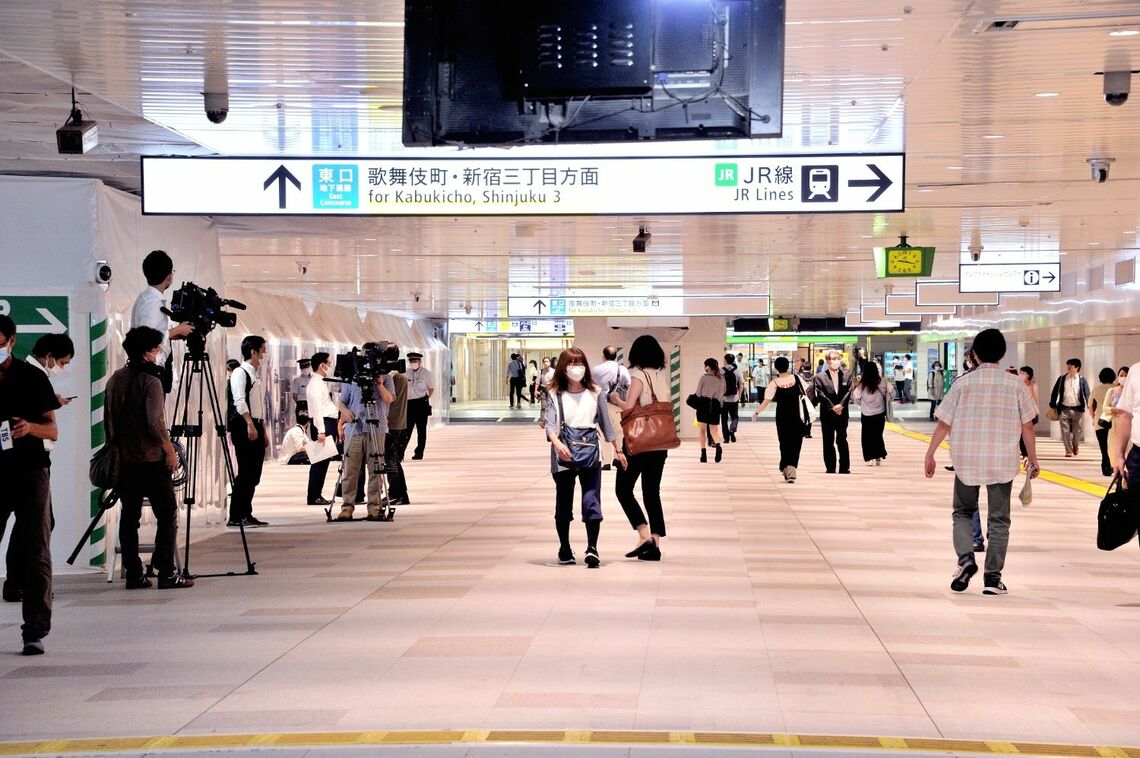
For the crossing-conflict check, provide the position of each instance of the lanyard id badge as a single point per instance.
(6, 440)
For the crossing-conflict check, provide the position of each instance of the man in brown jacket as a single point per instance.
(393, 453)
(135, 419)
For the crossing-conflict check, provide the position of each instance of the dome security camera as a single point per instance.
(1117, 85)
(303, 267)
(1100, 168)
(217, 106)
(101, 273)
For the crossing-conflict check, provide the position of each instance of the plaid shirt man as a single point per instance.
(985, 410)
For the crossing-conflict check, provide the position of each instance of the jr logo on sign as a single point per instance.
(726, 175)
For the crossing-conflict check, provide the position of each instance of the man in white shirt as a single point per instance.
(610, 375)
(292, 450)
(1069, 398)
(147, 311)
(908, 380)
(1127, 433)
(247, 430)
(325, 413)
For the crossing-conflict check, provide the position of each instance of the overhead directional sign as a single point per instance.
(1009, 277)
(670, 305)
(403, 186)
(35, 316)
(538, 326)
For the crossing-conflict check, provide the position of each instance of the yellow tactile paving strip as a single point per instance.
(553, 737)
(1089, 488)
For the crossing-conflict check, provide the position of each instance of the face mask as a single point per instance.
(56, 370)
(577, 373)
(415, 365)
(833, 363)
(4, 354)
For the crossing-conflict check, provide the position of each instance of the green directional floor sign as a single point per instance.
(35, 316)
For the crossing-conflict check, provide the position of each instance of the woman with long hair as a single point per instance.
(532, 379)
(1026, 374)
(710, 389)
(874, 401)
(787, 390)
(578, 405)
(544, 378)
(647, 379)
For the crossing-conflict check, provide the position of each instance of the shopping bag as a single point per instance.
(1116, 520)
(1026, 494)
(319, 451)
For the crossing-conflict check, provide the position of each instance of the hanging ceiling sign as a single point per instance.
(526, 327)
(647, 305)
(947, 293)
(1009, 277)
(522, 186)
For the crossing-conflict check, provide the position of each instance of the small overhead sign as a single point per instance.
(947, 293)
(523, 186)
(525, 327)
(1009, 277)
(642, 305)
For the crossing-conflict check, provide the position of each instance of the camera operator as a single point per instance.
(325, 413)
(136, 422)
(27, 418)
(421, 386)
(247, 430)
(397, 423)
(159, 272)
(358, 441)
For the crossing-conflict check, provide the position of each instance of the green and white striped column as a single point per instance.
(675, 385)
(98, 340)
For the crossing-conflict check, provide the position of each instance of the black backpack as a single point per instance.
(731, 385)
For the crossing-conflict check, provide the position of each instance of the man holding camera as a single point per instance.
(159, 272)
(421, 386)
(364, 411)
(246, 424)
(27, 418)
(136, 424)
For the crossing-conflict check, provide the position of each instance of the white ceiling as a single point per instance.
(984, 152)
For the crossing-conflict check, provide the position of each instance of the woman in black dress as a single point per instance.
(787, 390)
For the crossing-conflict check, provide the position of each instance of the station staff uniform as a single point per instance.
(421, 384)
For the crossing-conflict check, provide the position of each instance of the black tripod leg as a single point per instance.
(104, 506)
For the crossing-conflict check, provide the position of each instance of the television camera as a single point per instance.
(204, 308)
(363, 365)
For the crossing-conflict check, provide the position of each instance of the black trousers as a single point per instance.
(517, 385)
(250, 460)
(27, 494)
(150, 481)
(871, 435)
(591, 480)
(729, 418)
(790, 432)
(418, 411)
(834, 436)
(648, 467)
(318, 471)
(1102, 438)
(397, 484)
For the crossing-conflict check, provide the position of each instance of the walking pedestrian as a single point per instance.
(984, 412)
(788, 391)
(908, 380)
(516, 380)
(935, 386)
(874, 401)
(1069, 399)
(532, 380)
(899, 375)
(544, 378)
(730, 407)
(611, 376)
(574, 416)
(647, 375)
(1026, 374)
(1113, 411)
(831, 391)
(1099, 407)
(710, 394)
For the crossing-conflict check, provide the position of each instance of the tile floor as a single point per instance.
(818, 607)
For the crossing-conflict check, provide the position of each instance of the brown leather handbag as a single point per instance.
(649, 427)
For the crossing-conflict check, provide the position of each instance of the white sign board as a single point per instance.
(1009, 277)
(647, 305)
(460, 186)
(947, 293)
(537, 327)
(906, 305)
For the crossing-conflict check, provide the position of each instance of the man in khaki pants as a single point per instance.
(609, 376)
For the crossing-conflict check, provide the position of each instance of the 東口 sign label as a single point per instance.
(403, 186)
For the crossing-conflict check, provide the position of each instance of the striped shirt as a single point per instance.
(985, 410)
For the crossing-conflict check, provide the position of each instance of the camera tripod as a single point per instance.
(196, 370)
(375, 464)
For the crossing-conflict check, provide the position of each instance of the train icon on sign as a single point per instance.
(819, 184)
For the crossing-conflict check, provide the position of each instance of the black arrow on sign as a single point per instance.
(882, 182)
(1050, 276)
(479, 325)
(279, 176)
(540, 305)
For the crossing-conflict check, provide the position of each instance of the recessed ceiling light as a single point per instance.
(1094, 244)
(956, 168)
(993, 136)
(926, 190)
(1048, 94)
(1130, 231)
(1124, 33)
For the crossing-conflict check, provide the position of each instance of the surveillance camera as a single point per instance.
(101, 273)
(217, 106)
(1117, 85)
(641, 241)
(303, 267)
(1099, 168)
(416, 295)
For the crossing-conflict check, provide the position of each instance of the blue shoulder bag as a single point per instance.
(583, 444)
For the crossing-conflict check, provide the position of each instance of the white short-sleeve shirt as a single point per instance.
(1129, 401)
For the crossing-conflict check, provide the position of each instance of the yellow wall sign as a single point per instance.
(781, 325)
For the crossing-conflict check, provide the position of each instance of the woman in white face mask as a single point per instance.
(575, 413)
